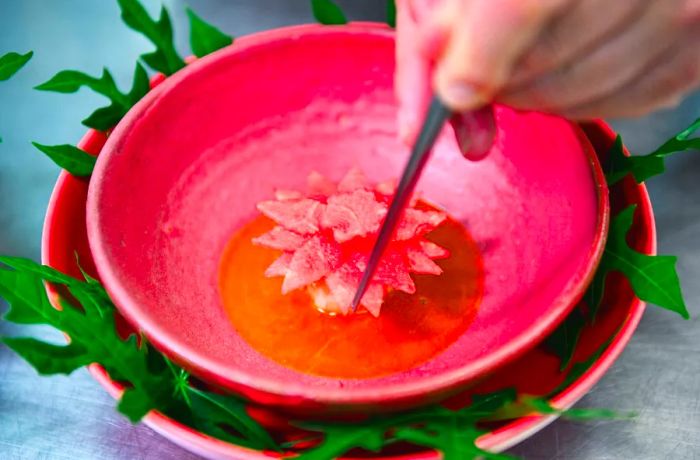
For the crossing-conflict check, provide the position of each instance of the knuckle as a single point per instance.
(689, 13)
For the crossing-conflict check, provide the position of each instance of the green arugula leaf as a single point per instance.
(49, 359)
(213, 412)
(328, 12)
(452, 432)
(11, 63)
(581, 367)
(453, 437)
(165, 58)
(92, 332)
(70, 81)
(27, 299)
(339, 439)
(105, 118)
(391, 13)
(653, 278)
(564, 339)
(25, 265)
(205, 38)
(528, 405)
(643, 167)
(154, 383)
(542, 406)
(72, 159)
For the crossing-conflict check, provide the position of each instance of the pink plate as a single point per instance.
(536, 372)
(185, 168)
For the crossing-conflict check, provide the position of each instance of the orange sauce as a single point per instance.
(410, 330)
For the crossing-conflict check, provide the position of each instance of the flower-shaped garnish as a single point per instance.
(328, 233)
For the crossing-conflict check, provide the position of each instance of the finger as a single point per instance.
(663, 85)
(412, 77)
(691, 10)
(607, 68)
(575, 31)
(488, 37)
(475, 132)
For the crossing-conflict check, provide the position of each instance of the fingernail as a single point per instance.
(460, 96)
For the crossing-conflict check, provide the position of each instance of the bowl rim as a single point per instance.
(497, 440)
(238, 380)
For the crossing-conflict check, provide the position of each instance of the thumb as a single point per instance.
(487, 38)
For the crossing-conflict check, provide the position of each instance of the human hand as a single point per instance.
(578, 58)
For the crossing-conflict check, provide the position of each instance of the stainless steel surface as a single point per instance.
(73, 418)
(432, 125)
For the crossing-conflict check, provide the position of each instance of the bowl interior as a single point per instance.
(184, 170)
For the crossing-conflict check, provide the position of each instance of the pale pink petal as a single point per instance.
(418, 262)
(280, 238)
(353, 214)
(393, 271)
(417, 223)
(312, 261)
(280, 266)
(320, 185)
(343, 283)
(354, 180)
(373, 299)
(434, 251)
(288, 195)
(300, 216)
(387, 188)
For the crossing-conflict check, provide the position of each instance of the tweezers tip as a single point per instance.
(353, 306)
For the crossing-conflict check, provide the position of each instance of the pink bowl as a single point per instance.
(536, 372)
(187, 165)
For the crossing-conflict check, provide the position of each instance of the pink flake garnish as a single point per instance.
(326, 236)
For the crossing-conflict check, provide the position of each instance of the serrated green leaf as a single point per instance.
(620, 165)
(104, 118)
(70, 81)
(25, 265)
(490, 402)
(140, 86)
(204, 37)
(454, 438)
(328, 12)
(213, 412)
(454, 433)
(543, 406)
(339, 439)
(391, 13)
(165, 58)
(564, 340)
(152, 381)
(27, 299)
(643, 167)
(70, 158)
(581, 367)
(653, 278)
(49, 359)
(11, 63)
(135, 403)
